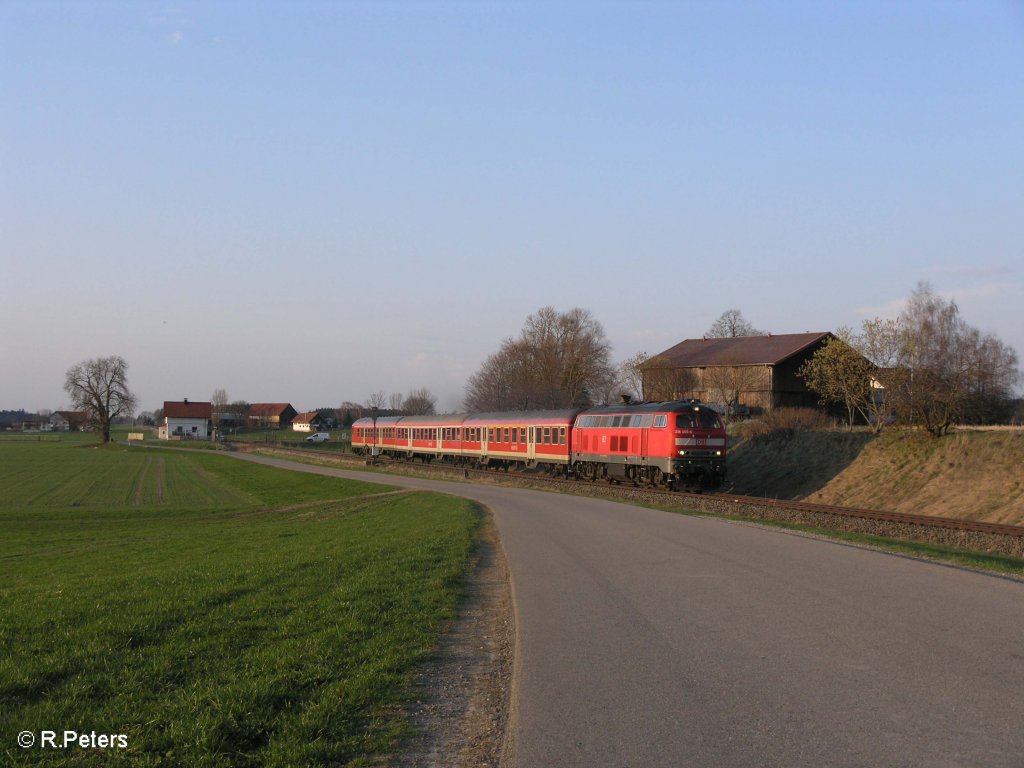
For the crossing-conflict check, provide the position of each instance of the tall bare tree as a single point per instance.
(419, 402)
(377, 400)
(657, 379)
(560, 359)
(730, 325)
(726, 382)
(99, 387)
(946, 366)
(219, 404)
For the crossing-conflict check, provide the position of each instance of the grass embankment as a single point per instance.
(212, 611)
(972, 475)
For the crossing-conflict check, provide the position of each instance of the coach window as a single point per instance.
(505, 435)
(561, 436)
(547, 435)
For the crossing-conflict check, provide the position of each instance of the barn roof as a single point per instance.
(187, 410)
(740, 350)
(268, 409)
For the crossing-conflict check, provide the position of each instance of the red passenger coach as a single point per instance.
(520, 439)
(423, 437)
(679, 443)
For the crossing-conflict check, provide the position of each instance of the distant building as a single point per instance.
(756, 371)
(308, 421)
(68, 421)
(186, 421)
(271, 415)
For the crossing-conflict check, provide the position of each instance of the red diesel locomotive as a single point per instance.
(675, 444)
(680, 443)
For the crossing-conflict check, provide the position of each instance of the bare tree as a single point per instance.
(419, 402)
(99, 387)
(725, 383)
(879, 342)
(377, 400)
(659, 379)
(946, 367)
(559, 360)
(219, 403)
(631, 375)
(503, 382)
(731, 325)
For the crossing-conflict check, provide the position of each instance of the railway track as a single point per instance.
(993, 538)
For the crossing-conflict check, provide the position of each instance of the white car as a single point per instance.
(319, 437)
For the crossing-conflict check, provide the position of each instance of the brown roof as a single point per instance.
(266, 410)
(305, 417)
(187, 410)
(740, 350)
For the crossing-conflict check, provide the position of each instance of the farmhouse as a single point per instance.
(307, 421)
(756, 371)
(67, 421)
(271, 415)
(186, 421)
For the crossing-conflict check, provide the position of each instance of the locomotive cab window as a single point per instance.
(709, 420)
(687, 421)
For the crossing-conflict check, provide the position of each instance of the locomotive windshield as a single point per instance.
(702, 419)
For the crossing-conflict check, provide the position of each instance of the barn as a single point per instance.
(756, 371)
(308, 421)
(271, 415)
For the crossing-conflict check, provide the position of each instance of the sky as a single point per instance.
(310, 202)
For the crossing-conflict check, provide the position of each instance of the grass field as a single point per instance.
(213, 612)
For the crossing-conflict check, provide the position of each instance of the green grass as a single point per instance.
(217, 613)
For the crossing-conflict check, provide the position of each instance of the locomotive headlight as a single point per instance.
(682, 453)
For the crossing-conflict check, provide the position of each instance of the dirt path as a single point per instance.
(462, 703)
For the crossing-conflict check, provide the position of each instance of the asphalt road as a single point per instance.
(649, 639)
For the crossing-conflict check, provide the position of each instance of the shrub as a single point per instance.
(786, 422)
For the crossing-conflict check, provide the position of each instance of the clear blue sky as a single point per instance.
(311, 202)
